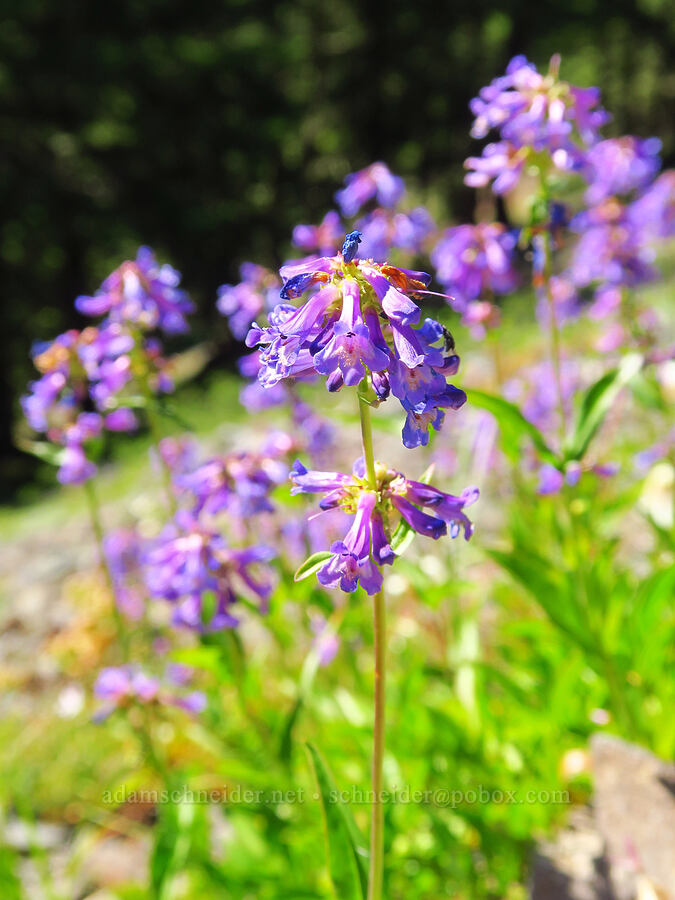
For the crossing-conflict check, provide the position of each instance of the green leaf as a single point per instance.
(596, 403)
(172, 845)
(11, 885)
(312, 564)
(345, 845)
(51, 453)
(513, 426)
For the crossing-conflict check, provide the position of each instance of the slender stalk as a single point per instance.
(377, 816)
(554, 331)
(157, 434)
(379, 630)
(99, 534)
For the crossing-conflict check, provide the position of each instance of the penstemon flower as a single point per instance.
(319, 238)
(620, 166)
(122, 686)
(534, 114)
(241, 303)
(474, 263)
(191, 566)
(361, 319)
(378, 510)
(141, 292)
(374, 182)
(384, 230)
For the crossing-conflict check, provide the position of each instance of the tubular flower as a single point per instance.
(375, 181)
(319, 238)
(239, 483)
(362, 320)
(192, 567)
(122, 686)
(384, 230)
(84, 368)
(241, 303)
(473, 263)
(538, 111)
(620, 165)
(141, 292)
(533, 113)
(377, 511)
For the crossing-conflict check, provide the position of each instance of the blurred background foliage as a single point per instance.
(208, 129)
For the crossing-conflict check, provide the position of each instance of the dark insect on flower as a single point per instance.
(351, 245)
(448, 339)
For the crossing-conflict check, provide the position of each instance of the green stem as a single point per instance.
(99, 534)
(379, 630)
(157, 435)
(555, 332)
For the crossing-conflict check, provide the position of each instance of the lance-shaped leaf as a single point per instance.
(312, 564)
(596, 403)
(345, 845)
(513, 426)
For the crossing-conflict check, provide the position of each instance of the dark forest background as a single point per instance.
(208, 128)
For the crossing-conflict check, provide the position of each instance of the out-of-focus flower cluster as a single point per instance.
(93, 379)
(119, 687)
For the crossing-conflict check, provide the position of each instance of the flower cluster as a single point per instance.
(532, 113)
(361, 319)
(141, 292)
(377, 510)
(91, 379)
(238, 483)
(122, 686)
(95, 368)
(374, 182)
(475, 263)
(242, 303)
(191, 565)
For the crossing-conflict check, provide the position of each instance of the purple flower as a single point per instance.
(611, 249)
(192, 567)
(383, 230)
(124, 550)
(619, 166)
(321, 239)
(121, 686)
(141, 292)
(654, 211)
(375, 181)
(122, 419)
(366, 547)
(538, 111)
(359, 323)
(501, 163)
(241, 303)
(474, 262)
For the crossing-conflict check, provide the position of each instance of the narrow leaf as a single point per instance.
(596, 403)
(513, 426)
(312, 564)
(345, 845)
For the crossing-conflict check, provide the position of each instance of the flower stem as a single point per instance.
(554, 331)
(99, 534)
(379, 630)
(377, 816)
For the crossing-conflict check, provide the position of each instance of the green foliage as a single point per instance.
(597, 401)
(514, 428)
(346, 848)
